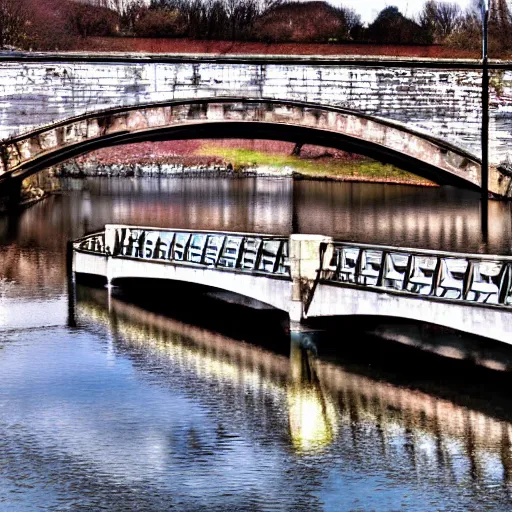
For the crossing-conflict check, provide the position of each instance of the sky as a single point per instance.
(368, 9)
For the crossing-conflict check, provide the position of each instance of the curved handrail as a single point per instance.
(482, 279)
(246, 252)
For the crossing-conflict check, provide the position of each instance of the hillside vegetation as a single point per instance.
(70, 25)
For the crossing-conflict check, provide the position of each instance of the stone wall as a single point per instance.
(436, 96)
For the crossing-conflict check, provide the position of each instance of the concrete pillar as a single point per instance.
(308, 253)
(110, 236)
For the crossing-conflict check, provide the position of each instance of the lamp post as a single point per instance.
(485, 121)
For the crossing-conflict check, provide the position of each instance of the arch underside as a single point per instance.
(245, 130)
(266, 290)
(491, 322)
(226, 119)
(192, 288)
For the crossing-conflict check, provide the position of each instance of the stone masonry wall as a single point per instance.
(443, 102)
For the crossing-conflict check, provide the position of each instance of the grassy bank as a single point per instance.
(360, 169)
(274, 157)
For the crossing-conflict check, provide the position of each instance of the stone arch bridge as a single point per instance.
(421, 114)
(244, 118)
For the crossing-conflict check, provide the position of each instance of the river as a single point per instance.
(160, 401)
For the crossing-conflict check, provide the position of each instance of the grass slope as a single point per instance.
(321, 168)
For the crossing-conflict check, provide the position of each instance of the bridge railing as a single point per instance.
(94, 243)
(471, 278)
(242, 252)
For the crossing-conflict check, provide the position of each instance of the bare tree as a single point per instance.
(441, 19)
(13, 22)
(131, 15)
(119, 6)
(351, 21)
(352, 18)
(469, 35)
(266, 5)
(499, 14)
(499, 10)
(449, 18)
(241, 15)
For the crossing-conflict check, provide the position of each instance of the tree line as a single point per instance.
(54, 24)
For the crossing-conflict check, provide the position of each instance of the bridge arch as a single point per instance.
(294, 121)
(258, 292)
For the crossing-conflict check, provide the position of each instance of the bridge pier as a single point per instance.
(110, 241)
(306, 254)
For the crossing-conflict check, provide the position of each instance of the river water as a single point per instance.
(160, 400)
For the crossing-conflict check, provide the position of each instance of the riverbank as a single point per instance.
(316, 163)
(234, 158)
(366, 172)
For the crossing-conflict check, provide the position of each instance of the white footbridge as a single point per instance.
(313, 276)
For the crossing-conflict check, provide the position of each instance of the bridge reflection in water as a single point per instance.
(329, 407)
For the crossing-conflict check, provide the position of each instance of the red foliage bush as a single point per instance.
(52, 24)
(300, 22)
(159, 23)
(92, 20)
(48, 26)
